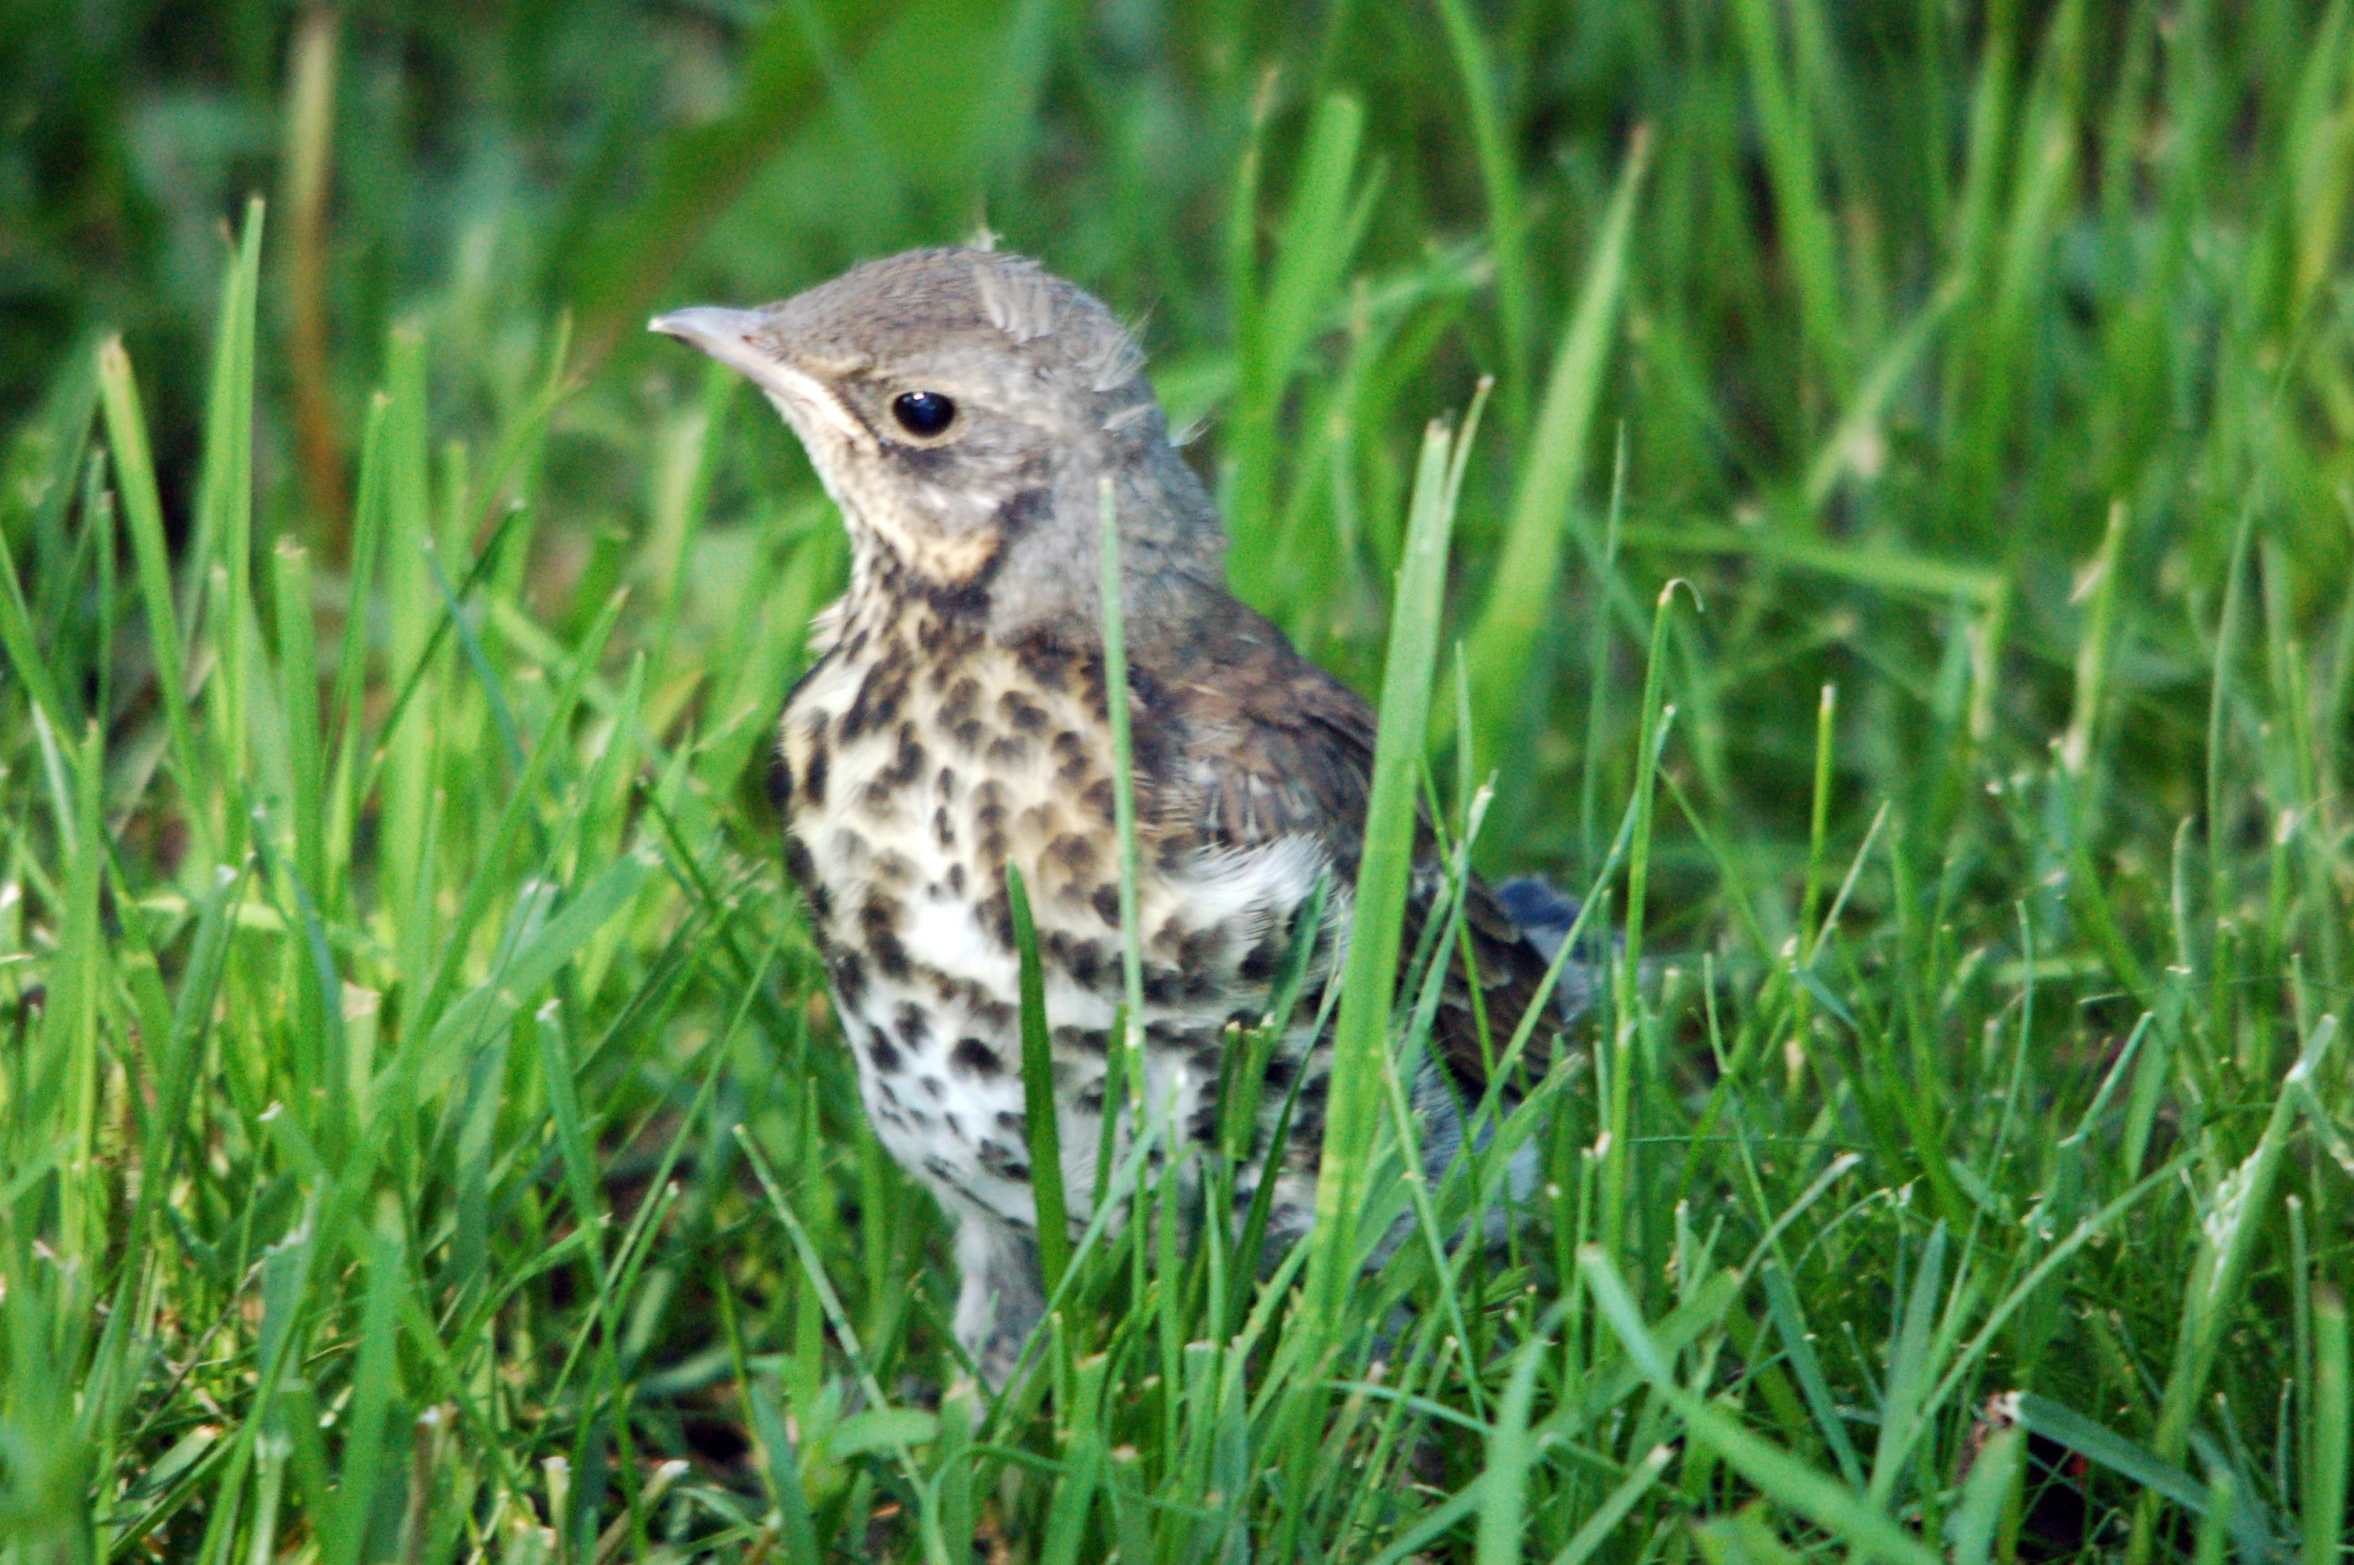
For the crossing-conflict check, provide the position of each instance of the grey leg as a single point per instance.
(1000, 1303)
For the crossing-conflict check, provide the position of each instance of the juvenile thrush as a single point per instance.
(961, 408)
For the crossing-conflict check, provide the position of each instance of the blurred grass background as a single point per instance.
(384, 988)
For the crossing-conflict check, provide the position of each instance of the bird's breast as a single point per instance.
(920, 759)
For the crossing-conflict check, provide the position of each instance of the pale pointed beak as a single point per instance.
(733, 338)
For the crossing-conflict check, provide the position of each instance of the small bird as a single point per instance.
(962, 408)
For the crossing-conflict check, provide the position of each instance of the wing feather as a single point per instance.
(1273, 747)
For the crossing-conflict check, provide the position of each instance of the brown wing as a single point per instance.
(1510, 967)
(1273, 746)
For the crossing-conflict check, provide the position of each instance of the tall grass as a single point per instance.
(425, 1137)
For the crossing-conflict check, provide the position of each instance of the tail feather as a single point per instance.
(1546, 914)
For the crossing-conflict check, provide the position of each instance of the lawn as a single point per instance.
(1900, 574)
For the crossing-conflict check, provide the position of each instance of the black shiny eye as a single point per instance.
(923, 413)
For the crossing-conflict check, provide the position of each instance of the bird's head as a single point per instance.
(961, 407)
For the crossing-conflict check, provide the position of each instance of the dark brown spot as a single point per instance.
(967, 600)
(989, 814)
(934, 1086)
(1071, 759)
(780, 780)
(847, 972)
(878, 925)
(1084, 960)
(879, 1050)
(1003, 1162)
(907, 763)
(1009, 750)
(968, 734)
(813, 776)
(996, 914)
(913, 1027)
(975, 1058)
(1073, 852)
(1260, 961)
(960, 700)
(943, 829)
(1023, 510)
(1046, 658)
(956, 880)
(1100, 799)
(879, 693)
(945, 783)
(1026, 716)
(799, 867)
(1106, 903)
(944, 639)
(1084, 1040)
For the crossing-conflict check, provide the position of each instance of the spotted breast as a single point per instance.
(920, 756)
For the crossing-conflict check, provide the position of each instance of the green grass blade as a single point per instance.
(298, 696)
(1804, 225)
(1992, 1482)
(2096, 1443)
(1503, 1503)
(225, 499)
(2327, 1461)
(1502, 644)
(1515, 302)
(1370, 976)
(2240, 1203)
(1116, 711)
(1606, 1518)
(1790, 1325)
(134, 467)
(22, 647)
(1040, 1124)
(1781, 1476)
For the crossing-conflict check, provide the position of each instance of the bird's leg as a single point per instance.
(1000, 1302)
